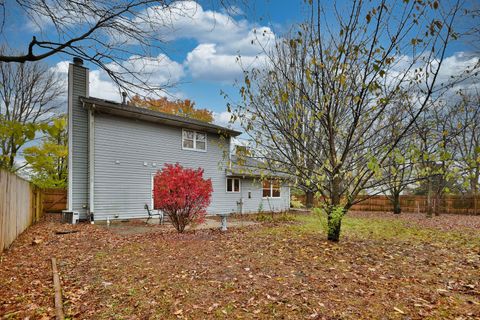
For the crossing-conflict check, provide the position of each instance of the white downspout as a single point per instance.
(91, 158)
(230, 152)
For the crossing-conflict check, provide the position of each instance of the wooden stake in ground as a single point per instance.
(58, 292)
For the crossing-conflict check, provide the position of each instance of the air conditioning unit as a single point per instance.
(70, 217)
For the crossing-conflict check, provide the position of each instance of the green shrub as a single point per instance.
(284, 217)
(275, 217)
(262, 217)
(295, 203)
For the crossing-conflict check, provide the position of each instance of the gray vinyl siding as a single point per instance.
(123, 182)
(79, 143)
(127, 152)
(256, 201)
(124, 188)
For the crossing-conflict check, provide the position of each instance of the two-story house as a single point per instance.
(115, 149)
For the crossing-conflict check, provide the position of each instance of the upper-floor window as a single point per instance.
(233, 185)
(194, 140)
(271, 188)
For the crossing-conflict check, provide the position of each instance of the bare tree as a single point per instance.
(357, 65)
(398, 171)
(112, 35)
(30, 93)
(278, 151)
(435, 144)
(465, 121)
(471, 28)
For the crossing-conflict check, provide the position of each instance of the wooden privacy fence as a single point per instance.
(20, 207)
(54, 200)
(450, 204)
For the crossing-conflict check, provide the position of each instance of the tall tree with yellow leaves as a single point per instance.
(185, 108)
(48, 161)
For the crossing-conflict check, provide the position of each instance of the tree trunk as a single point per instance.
(335, 216)
(429, 206)
(334, 227)
(429, 199)
(309, 196)
(397, 209)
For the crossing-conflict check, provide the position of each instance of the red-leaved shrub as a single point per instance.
(182, 193)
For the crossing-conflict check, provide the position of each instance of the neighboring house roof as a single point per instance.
(251, 167)
(124, 110)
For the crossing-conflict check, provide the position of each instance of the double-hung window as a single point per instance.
(233, 185)
(271, 188)
(194, 140)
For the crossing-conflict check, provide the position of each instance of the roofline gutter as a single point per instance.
(219, 129)
(244, 175)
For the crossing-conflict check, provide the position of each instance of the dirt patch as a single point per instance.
(140, 226)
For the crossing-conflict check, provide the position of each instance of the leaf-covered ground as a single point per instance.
(385, 267)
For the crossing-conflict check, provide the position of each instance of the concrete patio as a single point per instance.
(141, 226)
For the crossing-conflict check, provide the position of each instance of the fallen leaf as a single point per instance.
(398, 310)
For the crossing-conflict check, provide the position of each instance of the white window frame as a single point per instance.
(233, 185)
(195, 140)
(271, 190)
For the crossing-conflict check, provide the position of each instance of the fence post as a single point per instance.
(40, 204)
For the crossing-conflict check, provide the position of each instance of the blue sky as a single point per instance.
(201, 54)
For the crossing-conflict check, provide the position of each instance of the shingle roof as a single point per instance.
(120, 109)
(251, 167)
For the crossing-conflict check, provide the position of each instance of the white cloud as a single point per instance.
(221, 38)
(255, 41)
(226, 62)
(206, 63)
(188, 20)
(39, 19)
(61, 67)
(452, 67)
(233, 10)
(100, 85)
(103, 88)
(457, 72)
(460, 66)
(222, 118)
(157, 71)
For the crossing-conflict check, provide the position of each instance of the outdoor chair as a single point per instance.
(151, 214)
